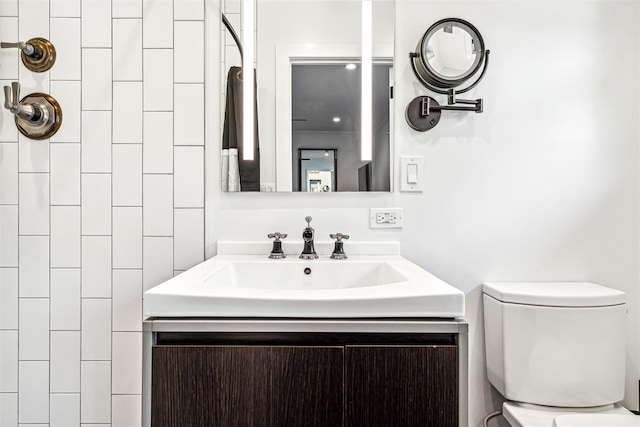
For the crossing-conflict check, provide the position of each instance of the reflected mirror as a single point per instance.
(300, 48)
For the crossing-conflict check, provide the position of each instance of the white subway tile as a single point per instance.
(65, 8)
(96, 23)
(34, 329)
(9, 58)
(157, 261)
(188, 10)
(8, 361)
(158, 142)
(96, 141)
(65, 174)
(96, 329)
(158, 23)
(158, 205)
(33, 18)
(9, 173)
(65, 36)
(9, 8)
(33, 392)
(189, 114)
(233, 6)
(188, 247)
(34, 204)
(127, 8)
(127, 237)
(127, 300)
(96, 204)
(65, 236)
(127, 49)
(8, 406)
(127, 175)
(127, 363)
(177, 272)
(158, 79)
(127, 410)
(68, 95)
(33, 155)
(65, 362)
(33, 274)
(188, 177)
(65, 409)
(65, 299)
(8, 299)
(8, 236)
(95, 403)
(96, 79)
(189, 51)
(127, 112)
(96, 266)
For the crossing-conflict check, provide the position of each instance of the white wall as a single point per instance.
(111, 205)
(542, 186)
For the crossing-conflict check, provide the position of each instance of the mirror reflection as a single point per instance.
(300, 41)
(451, 51)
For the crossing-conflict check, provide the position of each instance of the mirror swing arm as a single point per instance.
(423, 112)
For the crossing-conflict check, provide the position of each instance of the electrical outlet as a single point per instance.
(385, 218)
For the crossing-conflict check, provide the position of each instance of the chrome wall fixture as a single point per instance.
(446, 58)
(38, 54)
(37, 115)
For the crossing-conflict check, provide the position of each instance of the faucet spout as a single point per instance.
(308, 251)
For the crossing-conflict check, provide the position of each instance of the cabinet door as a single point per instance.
(247, 386)
(402, 386)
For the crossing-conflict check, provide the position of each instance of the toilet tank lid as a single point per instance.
(554, 294)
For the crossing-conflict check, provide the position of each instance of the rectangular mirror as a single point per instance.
(308, 94)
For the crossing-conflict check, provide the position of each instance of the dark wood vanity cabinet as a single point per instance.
(211, 384)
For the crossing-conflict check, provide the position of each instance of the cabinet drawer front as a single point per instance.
(401, 386)
(234, 386)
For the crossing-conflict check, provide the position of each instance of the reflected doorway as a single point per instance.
(317, 170)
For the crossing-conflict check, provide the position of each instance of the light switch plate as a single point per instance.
(411, 173)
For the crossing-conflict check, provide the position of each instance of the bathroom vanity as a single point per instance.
(379, 342)
(294, 372)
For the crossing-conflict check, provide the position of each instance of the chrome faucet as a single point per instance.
(308, 251)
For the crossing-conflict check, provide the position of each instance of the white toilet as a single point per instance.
(556, 352)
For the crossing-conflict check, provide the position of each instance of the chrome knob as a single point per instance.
(276, 251)
(338, 248)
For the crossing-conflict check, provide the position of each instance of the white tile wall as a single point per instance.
(127, 175)
(64, 410)
(158, 142)
(34, 329)
(73, 259)
(9, 173)
(8, 298)
(127, 112)
(65, 299)
(33, 392)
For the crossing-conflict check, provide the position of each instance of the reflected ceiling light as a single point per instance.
(336, 119)
(366, 70)
(326, 153)
(247, 82)
(350, 66)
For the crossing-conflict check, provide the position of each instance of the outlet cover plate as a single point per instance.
(385, 217)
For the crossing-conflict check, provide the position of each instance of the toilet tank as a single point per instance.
(555, 343)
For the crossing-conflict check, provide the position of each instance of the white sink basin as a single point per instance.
(255, 286)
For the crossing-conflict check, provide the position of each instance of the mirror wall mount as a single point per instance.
(449, 54)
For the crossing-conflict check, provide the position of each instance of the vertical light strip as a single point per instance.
(247, 81)
(367, 86)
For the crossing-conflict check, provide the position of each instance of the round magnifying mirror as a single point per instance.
(449, 53)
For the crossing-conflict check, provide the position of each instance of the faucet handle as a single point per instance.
(308, 219)
(277, 236)
(276, 250)
(339, 236)
(338, 248)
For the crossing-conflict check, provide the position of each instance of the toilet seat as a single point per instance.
(527, 415)
(597, 420)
